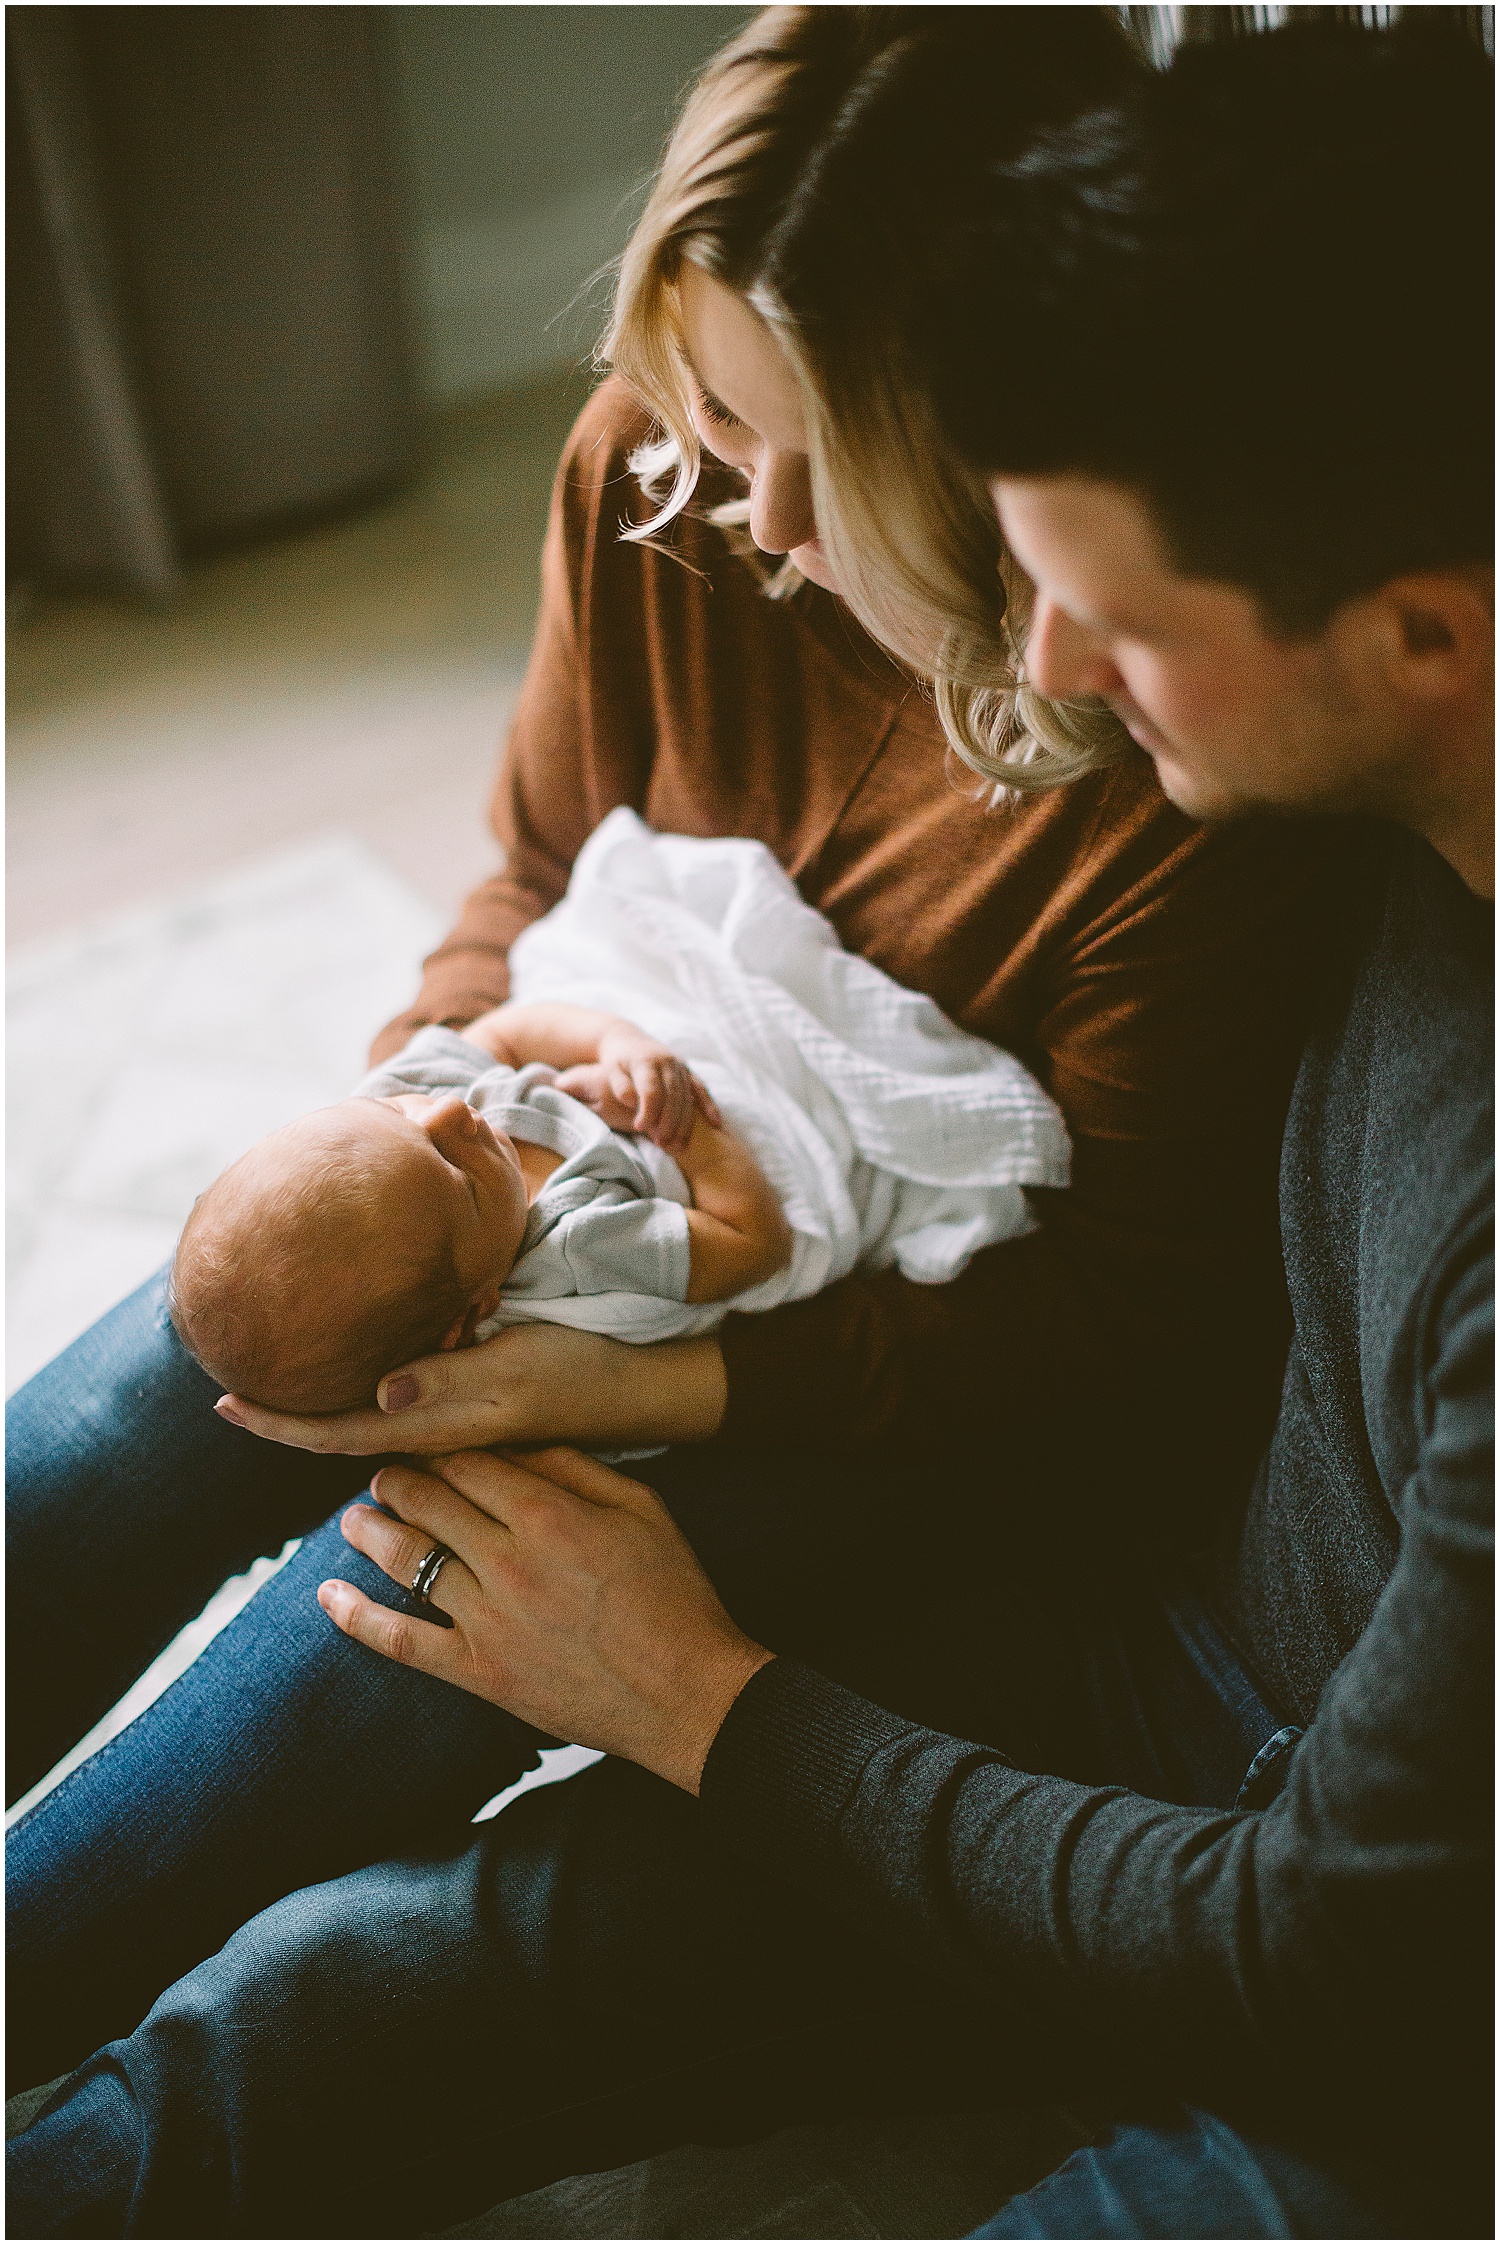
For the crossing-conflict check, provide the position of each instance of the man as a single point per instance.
(1244, 1930)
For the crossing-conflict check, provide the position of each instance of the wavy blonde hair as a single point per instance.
(764, 188)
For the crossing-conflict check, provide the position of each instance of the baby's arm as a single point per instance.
(737, 1234)
(562, 1036)
(631, 1081)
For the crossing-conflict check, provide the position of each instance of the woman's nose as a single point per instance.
(1063, 660)
(781, 512)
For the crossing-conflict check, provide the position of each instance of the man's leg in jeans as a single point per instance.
(1187, 2174)
(583, 1982)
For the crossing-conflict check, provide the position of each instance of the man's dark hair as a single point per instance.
(1256, 288)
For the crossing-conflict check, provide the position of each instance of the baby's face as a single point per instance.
(472, 1171)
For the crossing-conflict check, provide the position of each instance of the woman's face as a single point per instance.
(748, 413)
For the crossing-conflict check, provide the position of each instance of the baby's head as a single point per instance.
(347, 1244)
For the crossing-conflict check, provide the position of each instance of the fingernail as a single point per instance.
(395, 1395)
(226, 1410)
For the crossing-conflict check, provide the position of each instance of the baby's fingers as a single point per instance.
(683, 1109)
(673, 1123)
(652, 1096)
(704, 1100)
(621, 1083)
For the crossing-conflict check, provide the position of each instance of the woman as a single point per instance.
(1146, 971)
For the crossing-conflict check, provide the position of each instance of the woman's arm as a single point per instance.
(547, 798)
(603, 1394)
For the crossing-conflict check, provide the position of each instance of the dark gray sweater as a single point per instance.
(1331, 1950)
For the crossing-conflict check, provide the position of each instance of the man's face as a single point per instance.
(1234, 718)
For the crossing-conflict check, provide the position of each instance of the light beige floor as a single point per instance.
(354, 678)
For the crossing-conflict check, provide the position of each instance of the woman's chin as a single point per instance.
(814, 564)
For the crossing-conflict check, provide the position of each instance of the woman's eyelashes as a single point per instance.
(715, 410)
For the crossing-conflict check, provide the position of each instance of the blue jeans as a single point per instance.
(319, 2002)
(1187, 2174)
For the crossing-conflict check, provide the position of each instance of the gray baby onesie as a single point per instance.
(610, 1220)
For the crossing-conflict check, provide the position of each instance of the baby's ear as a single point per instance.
(460, 1333)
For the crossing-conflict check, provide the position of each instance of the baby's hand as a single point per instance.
(636, 1084)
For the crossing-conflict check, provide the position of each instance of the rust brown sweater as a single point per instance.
(1154, 975)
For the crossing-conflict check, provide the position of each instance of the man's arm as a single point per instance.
(1329, 1953)
(1332, 1946)
(1334, 1941)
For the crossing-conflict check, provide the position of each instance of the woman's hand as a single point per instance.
(576, 1603)
(532, 1383)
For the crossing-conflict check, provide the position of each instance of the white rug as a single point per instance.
(147, 1052)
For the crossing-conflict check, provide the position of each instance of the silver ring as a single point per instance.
(427, 1574)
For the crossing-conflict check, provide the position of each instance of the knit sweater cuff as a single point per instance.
(788, 1760)
(788, 1377)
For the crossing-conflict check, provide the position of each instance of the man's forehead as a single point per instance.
(1082, 523)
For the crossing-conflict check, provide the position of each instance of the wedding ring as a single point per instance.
(427, 1574)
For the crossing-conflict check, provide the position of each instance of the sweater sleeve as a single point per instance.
(1339, 1933)
(542, 811)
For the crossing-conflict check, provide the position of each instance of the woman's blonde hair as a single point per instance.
(775, 184)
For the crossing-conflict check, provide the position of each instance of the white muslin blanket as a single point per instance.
(890, 1135)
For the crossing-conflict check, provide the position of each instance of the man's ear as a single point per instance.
(1439, 632)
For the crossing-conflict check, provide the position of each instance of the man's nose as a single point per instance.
(781, 513)
(1063, 660)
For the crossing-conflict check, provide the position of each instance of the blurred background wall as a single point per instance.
(527, 135)
(249, 247)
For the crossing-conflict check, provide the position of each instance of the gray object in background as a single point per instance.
(529, 136)
(81, 497)
(208, 238)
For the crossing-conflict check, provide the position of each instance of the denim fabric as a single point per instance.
(262, 1905)
(283, 1756)
(128, 1502)
(576, 1983)
(1190, 2175)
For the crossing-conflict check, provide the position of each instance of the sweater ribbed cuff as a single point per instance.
(788, 1759)
(771, 1396)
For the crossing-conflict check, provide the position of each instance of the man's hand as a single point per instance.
(637, 1084)
(576, 1603)
(531, 1383)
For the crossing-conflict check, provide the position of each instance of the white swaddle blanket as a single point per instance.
(889, 1134)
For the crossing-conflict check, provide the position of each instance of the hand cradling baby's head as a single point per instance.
(320, 1261)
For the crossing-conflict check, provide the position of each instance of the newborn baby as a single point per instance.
(379, 1230)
